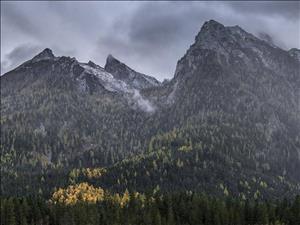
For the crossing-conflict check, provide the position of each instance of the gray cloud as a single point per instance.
(21, 52)
(288, 9)
(148, 36)
(18, 55)
(13, 16)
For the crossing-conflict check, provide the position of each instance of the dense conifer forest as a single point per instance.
(150, 209)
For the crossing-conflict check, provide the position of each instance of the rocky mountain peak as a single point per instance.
(110, 59)
(211, 29)
(112, 62)
(45, 54)
(233, 48)
(212, 26)
(123, 72)
(116, 68)
(215, 36)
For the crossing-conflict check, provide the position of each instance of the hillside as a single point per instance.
(228, 123)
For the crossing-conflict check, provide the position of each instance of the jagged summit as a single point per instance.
(295, 53)
(212, 25)
(231, 47)
(214, 35)
(112, 64)
(111, 58)
(210, 28)
(45, 54)
(122, 72)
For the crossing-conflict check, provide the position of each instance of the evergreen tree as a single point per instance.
(295, 211)
(170, 215)
(9, 215)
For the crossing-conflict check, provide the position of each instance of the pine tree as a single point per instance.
(196, 213)
(261, 214)
(157, 217)
(9, 216)
(170, 217)
(295, 211)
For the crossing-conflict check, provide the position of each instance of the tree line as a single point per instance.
(150, 209)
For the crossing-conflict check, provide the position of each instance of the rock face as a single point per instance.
(234, 102)
(134, 79)
(241, 71)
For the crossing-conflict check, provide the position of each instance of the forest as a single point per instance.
(219, 147)
(84, 204)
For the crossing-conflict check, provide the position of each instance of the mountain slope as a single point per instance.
(230, 76)
(59, 113)
(235, 105)
(228, 122)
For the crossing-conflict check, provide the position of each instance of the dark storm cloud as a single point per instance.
(149, 36)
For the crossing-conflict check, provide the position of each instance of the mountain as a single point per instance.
(232, 71)
(59, 113)
(234, 124)
(227, 123)
(122, 72)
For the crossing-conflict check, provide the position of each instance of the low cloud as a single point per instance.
(17, 56)
(142, 103)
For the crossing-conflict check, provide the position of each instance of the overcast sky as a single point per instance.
(148, 36)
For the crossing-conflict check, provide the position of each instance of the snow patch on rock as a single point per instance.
(107, 79)
(112, 84)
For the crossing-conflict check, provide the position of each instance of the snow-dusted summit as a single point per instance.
(112, 84)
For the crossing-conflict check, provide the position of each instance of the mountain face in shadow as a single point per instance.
(228, 120)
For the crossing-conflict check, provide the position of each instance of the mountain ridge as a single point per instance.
(231, 110)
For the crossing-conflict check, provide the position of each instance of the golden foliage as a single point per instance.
(79, 192)
(84, 192)
(87, 172)
(93, 172)
(123, 199)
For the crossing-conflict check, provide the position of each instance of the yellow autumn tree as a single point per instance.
(125, 198)
(87, 172)
(79, 192)
(93, 172)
